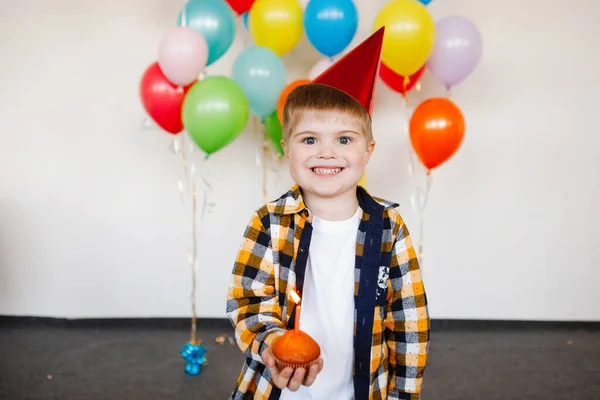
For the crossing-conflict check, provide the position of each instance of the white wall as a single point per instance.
(90, 220)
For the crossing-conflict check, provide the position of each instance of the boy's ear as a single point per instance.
(285, 148)
(370, 149)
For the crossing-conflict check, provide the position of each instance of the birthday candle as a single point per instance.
(296, 299)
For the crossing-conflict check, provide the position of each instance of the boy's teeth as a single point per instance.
(327, 171)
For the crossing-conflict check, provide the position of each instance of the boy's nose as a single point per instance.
(326, 152)
(326, 156)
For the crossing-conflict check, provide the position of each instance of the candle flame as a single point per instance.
(295, 297)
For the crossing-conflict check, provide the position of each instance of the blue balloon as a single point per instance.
(245, 19)
(425, 2)
(330, 25)
(215, 20)
(261, 75)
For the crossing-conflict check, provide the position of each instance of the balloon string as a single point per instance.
(274, 168)
(192, 257)
(423, 202)
(421, 196)
(258, 153)
(187, 187)
(207, 205)
(176, 149)
(262, 156)
(265, 168)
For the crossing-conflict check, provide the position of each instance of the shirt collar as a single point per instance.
(292, 202)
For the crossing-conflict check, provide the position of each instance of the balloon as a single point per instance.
(409, 35)
(320, 67)
(276, 24)
(437, 129)
(330, 24)
(261, 75)
(274, 132)
(397, 82)
(457, 50)
(182, 55)
(215, 111)
(425, 2)
(215, 20)
(240, 6)
(161, 99)
(285, 93)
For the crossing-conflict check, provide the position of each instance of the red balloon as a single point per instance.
(396, 82)
(240, 6)
(162, 100)
(437, 128)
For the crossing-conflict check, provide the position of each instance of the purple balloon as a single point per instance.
(457, 50)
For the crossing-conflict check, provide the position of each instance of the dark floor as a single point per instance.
(71, 363)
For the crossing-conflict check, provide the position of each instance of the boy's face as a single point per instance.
(327, 153)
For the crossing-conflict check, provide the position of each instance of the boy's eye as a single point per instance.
(344, 140)
(309, 140)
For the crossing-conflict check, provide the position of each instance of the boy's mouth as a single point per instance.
(326, 171)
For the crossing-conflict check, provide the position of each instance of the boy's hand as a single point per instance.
(288, 377)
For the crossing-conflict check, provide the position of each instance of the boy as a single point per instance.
(347, 254)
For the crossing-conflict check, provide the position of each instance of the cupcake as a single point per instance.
(295, 349)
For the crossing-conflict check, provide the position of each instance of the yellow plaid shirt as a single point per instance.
(391, 335)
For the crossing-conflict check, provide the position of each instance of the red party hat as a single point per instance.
(356, 73)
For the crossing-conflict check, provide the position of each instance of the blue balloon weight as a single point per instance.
(215, 20)
(245, 19)
(193, 369)
(330, 25)
(261, 75)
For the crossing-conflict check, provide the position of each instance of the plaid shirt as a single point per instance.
(391, 334)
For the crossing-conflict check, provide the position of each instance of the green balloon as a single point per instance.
(215, 111)
(274, 131)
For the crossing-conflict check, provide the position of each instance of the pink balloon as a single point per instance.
(182, 55)
(457, 50)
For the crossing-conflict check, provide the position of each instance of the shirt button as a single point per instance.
(302, 250)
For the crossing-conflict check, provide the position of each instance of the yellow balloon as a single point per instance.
(409, 35)
(363, 180)
(276, 24)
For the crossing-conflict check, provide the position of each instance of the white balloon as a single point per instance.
(320, 67)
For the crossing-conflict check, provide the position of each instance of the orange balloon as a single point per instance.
(285, 93)
(437, 128)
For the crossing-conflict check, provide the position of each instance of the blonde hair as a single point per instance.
(319, 97)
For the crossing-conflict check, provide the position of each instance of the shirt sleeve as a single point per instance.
(252, 304)
(407, 322)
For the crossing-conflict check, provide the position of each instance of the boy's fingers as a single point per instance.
(283, 378)
(268, 359)
(297, 379)
(312, 375)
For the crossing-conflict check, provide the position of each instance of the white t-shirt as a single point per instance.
(327, 312)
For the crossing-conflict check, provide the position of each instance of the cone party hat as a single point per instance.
(356, 73)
